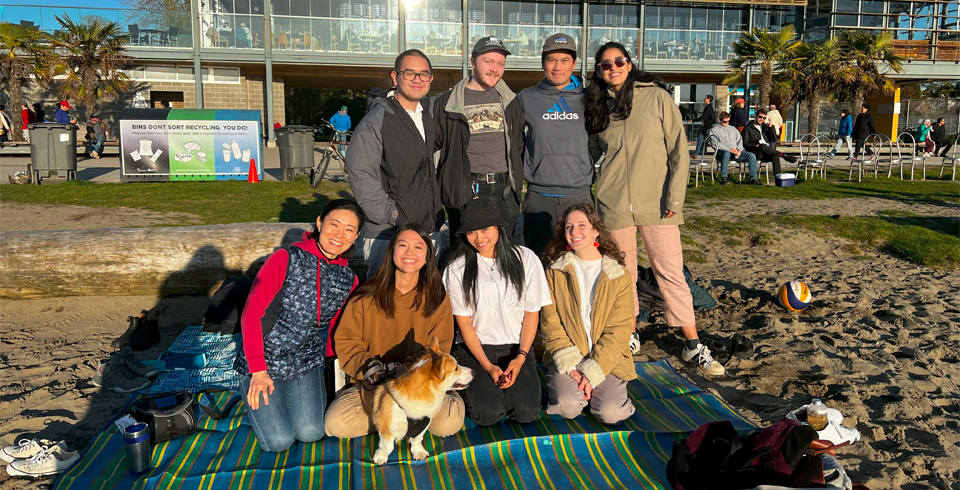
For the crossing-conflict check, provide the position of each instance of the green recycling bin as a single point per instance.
(296, 151)
(53, 151)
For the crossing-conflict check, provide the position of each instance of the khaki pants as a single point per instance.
(666, 259)
(346, 418)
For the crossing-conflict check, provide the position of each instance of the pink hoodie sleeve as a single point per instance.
(264, 289)
(333, 322)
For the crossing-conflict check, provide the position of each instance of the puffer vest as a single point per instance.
(296, 343)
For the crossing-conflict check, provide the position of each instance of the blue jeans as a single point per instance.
(295, 412)
(95, 145)
(750, 158)
(701, 148)
(342, 137)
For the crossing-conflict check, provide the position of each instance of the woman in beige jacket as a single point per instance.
(587, 328)
(642, 182)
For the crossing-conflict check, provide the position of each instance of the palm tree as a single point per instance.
(91, 55)
(870, 50)
(817, 71)
(763, 49)
(23, 53)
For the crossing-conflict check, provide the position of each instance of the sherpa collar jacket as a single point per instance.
(647, 164)
(391, 169)
(453, 138)
(564, 337)
(556, 160)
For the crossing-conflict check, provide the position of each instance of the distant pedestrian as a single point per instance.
(843, 134)
(341, 122)
(776, 120)
(40, 114)
(923, 136)
(740, 116)
(939, 135)
(709, 119)
(862, 128)
(62, 116)
(27, 117)
(5, 126)
(97, 133)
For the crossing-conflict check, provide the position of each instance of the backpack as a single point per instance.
(172, 415)
(716, 457)
(651, 299)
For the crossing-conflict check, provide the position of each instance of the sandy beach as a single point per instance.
(880, 342)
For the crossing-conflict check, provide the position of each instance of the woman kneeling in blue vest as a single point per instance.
(287, 323)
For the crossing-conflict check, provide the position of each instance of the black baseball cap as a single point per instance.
(560, 42)
(487, 44)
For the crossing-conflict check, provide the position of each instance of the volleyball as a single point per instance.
(794, 296)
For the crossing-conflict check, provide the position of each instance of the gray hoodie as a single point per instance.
(727, 137)
(557, 160)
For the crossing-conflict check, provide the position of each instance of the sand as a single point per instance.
(16, 216)
(880, 343)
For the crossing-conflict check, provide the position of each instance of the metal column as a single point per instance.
(746, 87)
(584, 63)
(197, 40)
(464, 40)
(402, 27)
(642, 37)
(268, 83)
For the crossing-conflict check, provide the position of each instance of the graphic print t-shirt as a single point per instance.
(488, 145)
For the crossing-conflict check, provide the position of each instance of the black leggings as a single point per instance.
(485, 402)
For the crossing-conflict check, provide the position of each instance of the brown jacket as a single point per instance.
(365, 332)
(612, 322)
(647, 164)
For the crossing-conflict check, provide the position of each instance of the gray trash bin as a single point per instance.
(53, 151)
(296, 151)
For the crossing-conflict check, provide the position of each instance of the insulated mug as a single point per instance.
(137, 439)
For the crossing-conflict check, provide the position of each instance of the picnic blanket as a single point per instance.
(550, 453)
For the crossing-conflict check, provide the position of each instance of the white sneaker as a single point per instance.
(635, 343)
(702, 358)
(24, 449)
(50, 461)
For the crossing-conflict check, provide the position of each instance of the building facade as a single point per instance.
(248, 51)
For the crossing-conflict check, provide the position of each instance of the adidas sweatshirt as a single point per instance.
(556, 161)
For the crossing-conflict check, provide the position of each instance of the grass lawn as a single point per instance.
(929, 241)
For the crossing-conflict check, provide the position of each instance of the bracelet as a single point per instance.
(522, 352)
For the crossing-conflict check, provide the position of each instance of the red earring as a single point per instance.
(596, 244)
(568, 247)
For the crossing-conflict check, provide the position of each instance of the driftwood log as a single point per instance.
(136, 261)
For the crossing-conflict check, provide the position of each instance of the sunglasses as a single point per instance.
(606, 65)
(761, 118)
(725, 122)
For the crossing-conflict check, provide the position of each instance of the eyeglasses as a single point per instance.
(606, 65)
(410, 75)
(725, 122)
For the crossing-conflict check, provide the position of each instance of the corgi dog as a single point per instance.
(408, 402)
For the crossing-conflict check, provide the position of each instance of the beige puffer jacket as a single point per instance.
(647, 164)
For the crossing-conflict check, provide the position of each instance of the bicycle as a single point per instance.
(330, 152)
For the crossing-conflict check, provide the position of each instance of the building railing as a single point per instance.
(525, 40)
(356, 35)
(145, 28)
(668, 44)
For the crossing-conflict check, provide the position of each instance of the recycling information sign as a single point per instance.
(189, 144)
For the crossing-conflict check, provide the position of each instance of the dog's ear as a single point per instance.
(438, 365)
(435, 344)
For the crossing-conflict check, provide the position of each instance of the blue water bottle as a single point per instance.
(137, 439)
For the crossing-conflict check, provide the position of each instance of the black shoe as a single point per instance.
(755, 182)
(148, 336)
(789, 158)
(724, 181)
(135, 323)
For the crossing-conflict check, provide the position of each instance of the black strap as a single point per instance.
(212, 411)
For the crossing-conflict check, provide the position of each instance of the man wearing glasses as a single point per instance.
(480, 138)
(730, 145)
(391, 161)
(757, 137)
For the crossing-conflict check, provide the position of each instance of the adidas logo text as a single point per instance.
(561, 116)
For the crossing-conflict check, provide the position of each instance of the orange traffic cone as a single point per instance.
(253, 176)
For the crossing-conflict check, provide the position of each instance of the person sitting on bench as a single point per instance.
(757, 136)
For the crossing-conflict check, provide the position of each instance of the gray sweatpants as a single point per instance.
(609, 402)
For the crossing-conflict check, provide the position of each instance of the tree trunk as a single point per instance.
(16, 122)
(813, 114)
(766, 81)
(135, 261)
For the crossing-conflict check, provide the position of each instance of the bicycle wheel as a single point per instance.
(317, 174)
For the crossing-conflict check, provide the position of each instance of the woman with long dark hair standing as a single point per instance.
(587, 328)
(386, 326)
(287, 323)
(642, 183)
(496, 290)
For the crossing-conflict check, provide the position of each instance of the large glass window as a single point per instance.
(697, 33)
(523, 27)
(617, 23)
(359, 26)
(434, 27)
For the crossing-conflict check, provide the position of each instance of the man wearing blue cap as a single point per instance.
(341, 122)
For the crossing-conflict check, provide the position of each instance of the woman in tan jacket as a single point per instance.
(587, 328)
(643, 181)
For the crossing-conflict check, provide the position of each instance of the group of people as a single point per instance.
(27, 116)
(934, 137)
(742, 140)
(572, 285)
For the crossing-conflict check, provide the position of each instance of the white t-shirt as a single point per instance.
(498, 315)
(588, 271)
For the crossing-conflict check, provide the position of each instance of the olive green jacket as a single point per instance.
(612, 322)
(647, 164)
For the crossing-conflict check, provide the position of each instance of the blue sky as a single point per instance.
(42, 12)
